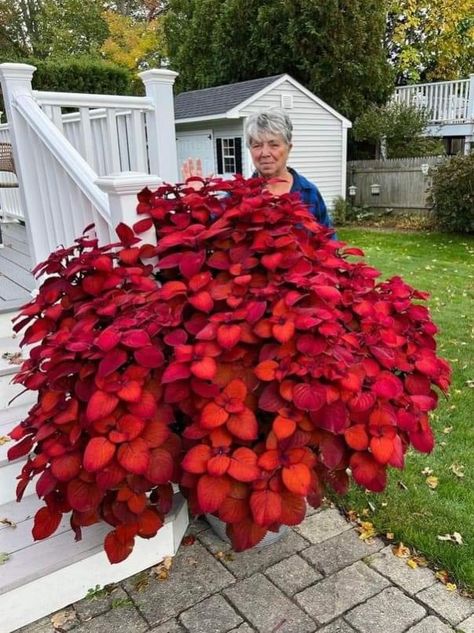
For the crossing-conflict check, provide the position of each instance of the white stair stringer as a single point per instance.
(43, 576)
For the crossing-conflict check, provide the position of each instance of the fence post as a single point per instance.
(469, 141)
(16, 82)
(160, 123)
(122, 190)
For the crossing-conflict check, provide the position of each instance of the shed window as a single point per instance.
(229, 155)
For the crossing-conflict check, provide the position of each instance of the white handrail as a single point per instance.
(72, 162)
(433, 83)
(79, 100)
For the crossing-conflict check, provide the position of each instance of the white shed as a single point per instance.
(210, 125)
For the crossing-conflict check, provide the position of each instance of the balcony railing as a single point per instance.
(446, 101)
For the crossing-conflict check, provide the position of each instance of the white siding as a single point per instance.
(224, 128)
(318, 151)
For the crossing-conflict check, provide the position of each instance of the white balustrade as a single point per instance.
(446, 101)
(59, 155)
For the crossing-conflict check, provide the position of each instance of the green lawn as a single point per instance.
(444, 265)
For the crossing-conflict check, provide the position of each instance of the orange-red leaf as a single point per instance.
(297, 478)
(266, 507)
(98, 453)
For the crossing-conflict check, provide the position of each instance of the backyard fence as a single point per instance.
(397, 183)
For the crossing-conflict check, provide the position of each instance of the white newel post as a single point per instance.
(16, 83)
(160, 123)
(122, 190)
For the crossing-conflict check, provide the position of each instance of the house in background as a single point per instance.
(451, 110)
(210, 126)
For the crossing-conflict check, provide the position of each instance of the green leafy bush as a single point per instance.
(452, 194)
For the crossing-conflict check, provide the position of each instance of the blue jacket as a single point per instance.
(311, 197)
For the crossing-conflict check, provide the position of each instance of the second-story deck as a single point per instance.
(450, 105)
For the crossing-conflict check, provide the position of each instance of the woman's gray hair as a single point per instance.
(274, 121)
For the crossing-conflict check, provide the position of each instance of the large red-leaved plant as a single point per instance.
(245, 357)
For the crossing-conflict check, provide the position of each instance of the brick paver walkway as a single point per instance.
(319, 577)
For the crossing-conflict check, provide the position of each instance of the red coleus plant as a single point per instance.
(245, 357)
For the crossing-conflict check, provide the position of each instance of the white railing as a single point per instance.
(446, 101)
(59, 157)
(10, 205)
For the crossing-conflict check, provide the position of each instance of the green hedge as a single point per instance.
(452, 194)
(91, 76)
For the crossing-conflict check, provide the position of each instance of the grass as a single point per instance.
(416, 514)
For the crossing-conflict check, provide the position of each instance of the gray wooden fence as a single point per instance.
(404, 183)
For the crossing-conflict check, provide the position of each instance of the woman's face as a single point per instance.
(269, 155)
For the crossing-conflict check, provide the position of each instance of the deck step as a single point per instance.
(50, 574)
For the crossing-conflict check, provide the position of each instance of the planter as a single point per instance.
(219, 528)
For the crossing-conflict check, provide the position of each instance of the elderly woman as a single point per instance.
(268, 136)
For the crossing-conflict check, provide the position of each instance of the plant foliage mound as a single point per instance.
(244, 356)
(452, 194)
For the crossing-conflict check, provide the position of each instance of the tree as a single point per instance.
(397, 130)
(19, 28)
(136, 44)
(430, 40)
(51, 28)
(334, 47)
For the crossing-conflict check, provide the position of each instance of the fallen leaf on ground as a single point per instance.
(401, 551)
(8, 522)
(427, 471)
(59, 619)
(227, 556)
(432, 482)
(412, 563)
(162, 570)
(447, 429)
(352, 515)
(442, 575)
(390, 536)
(4, 439)
(402, 485)
(455, 537)
(450, 586)
(4, 557)
(457, 469)
(189, 540)
(14, 358)
(366, 530)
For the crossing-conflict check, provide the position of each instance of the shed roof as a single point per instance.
(218, 100)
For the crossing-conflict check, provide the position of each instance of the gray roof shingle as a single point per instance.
(217, 100)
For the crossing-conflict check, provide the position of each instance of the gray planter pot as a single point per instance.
(219, 528)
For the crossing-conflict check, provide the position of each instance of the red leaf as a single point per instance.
(101, 404)
(136, 338)
(20, 449)
(149, 523)
(228, 336)
(218, 465)
(243, 465)
(245, 534)
(134, 456)
(66, 467)
(243, 425)
(108, 339)
(176, 371)
(309, 397)
(149, 356)
(356, 437)
(112, 361)
(83, 496)
(212, 491)
(195, 460)
(266, 507)
(293, 508)
(161, 466)
(283, 427)
(119, 543)
(98, 453)
(46, 522)
(367, 472)
(213, 416)
(205, 369)
(297, 478)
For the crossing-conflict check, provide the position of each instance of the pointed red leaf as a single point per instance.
(266, 507)
(119, 543)
(211, 492)
(46, 522)
(134, 456)
(98, 453)
(297, 478)
(243, 465)
(101, 404)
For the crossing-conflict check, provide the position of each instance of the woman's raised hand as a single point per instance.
(191, 168)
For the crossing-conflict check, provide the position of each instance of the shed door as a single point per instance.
(196, 145)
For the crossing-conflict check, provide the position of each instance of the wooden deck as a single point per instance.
(16, 280)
